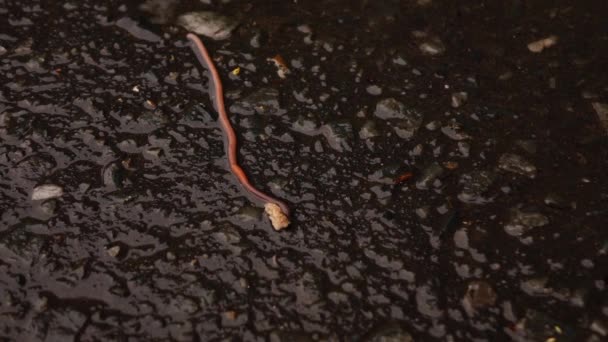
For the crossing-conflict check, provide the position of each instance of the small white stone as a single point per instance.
(602, 113)
(541, 44)
(114, 251)
(46, 191)
(374, 90)
(209, 24)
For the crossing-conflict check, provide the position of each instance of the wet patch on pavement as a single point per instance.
(445, 164)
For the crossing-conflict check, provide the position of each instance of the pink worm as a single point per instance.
(231, 150)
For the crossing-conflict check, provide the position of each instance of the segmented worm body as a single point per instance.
(231, 150)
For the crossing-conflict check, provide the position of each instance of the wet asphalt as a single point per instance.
(444, 162)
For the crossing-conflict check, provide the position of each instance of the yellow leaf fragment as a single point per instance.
(278, 219)
(541, 44)
(279, 62)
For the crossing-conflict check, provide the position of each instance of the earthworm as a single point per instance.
(231, 150)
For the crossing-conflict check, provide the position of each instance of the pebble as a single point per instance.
(423, 212)
(601, 109)
(390, 108)
(152, 153)
(399, 61)
(417, 150)
(475, 184)
(454, 131)
(339, 135)
(461, 238)
(257, 40)
(517, 164)
(113, 175)
(522, 222)
(426, 302)
(464, 148)
(600, 327)
(587, 263)
(538, 46)
(433, 125)
(406, 129)
(374, 90)
(432, 47)
(556, 201)
(459, 99)
(209, 24)
(428, 175)
(306, 124)
(304, 29)
(479, 295)
(369, 130)
(114, 251)
(536, 286)
(128, 146)
(46, 191)
(406, 122)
